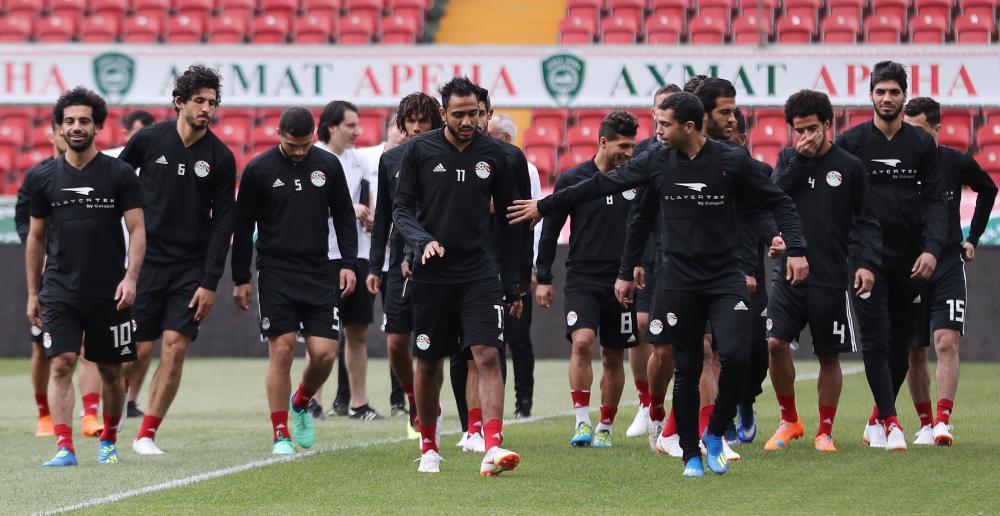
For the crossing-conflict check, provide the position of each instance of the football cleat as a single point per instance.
(461, 442)
(654, 429)
(746, 425)
(474, 442)
(63, 458)
(107, 453)
(693, 468)
(90, 426)
(132, 410)
(283, 446)
(925, 435)
(498, 460)
(364, 413)
(942, 434)
(146, 446)
(731, 454)
(430, 462)
(602, 439)
(639, 424)
(783, 436)
(582, 436)
(44, 427)
(824, 443)
(895, 439)
(302, 425)
(716, 455)
(669, 446)
(874, 436)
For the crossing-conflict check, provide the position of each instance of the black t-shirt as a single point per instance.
(290, 203)
(83, 210)
(597, 231)
(22, 208)
(959, 169)
(832, 195)
(383, 231)
(444, 195)
(189, 197)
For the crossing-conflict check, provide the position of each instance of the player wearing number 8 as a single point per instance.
(830, 190)
(597, 235)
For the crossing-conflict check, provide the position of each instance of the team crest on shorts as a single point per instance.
(770, 324)
(671, 319)
(318, 178)
(571, 318)
(483, 170)
(35, 330)
(655, 326)
(629, 194)
(423, 342)
(47, 340)
(202, 168)
(265, 323)
(833, 178)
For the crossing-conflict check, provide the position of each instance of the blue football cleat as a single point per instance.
(63, 457)
(731, 434)
(746, 426)
(693, 468)
(107, 453)
(716, 455)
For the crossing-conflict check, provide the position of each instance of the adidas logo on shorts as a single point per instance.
(741, 306)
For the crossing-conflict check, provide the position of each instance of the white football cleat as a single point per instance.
(874, 436)
(669, 446)
(430, 462)
(461, 442)
(895, 440)
(942, 434)
(730, 454)
(498, 460)
(640, 424)
(474, 443)
(925, 435)
(146, 446)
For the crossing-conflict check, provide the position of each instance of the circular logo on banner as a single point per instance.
(202, 168)
(47, 340)
(770, 324)
(483, 170)
(423, 342)
(571, 318)
(318, 178)
(265, 323)
(671, 319)
(35, 330)
(655, 326)
(629, 194)
(833, 178)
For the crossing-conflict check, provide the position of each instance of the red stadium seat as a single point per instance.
(707, 31)
(936, 8)
(671, 8)
(356, 30)
(55, 29)
(956, 126)
(233, 133)
(199, 9)
(615, 30)
(754, 7)
(7, 166)
(157, 9)
(271, 29)
(582, 135)
(372, 123)
(767, 153)
(543, 159)
(73, 9)
(264, 137)
(984, 8)
(988, 157)
(847, 8)
(840, 29)
(12, 136)
(99, 28)
(553, 120)
(772, 117)
(586, 9)
(568, 159)
(541, 136)
(855, 116)
(15, 28)
(30, 8)
(141, 29)
(955, 136)
(883, 29)
(988, 134)
(110, 8)
(236, 8)
(370, 10)
(412, 9)
(926, 28)
(748, 29)
(890, 8)
(282, 8)
(184, 29)
(327, 8)
(770, 133)
(313, 30)
(576, 31)
(629, 9)
(796, 30)
(18, 115)
(973, 29)
(399, 30)
(664, 29)
(35, 156)
(803, 8)
(39, 137)
(590, 117)
(718, 9)
(227, 29)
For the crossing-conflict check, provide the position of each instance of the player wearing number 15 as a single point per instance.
(289, 192)
(77, 205)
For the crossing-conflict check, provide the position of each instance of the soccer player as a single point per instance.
(908, 197)
(188, 177)
(697, 183)
(446, 181)
(830, 189)
(640, 357)
(943, 319)
(417, 113)
(596, 238)
(132, 123)
(338, 129)
(77, 205)
(289, 192)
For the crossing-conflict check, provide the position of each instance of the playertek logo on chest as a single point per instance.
(895, 172)
(85, 199)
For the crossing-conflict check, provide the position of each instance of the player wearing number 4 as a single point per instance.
(597, 235)
(289, 192)
(830, 190)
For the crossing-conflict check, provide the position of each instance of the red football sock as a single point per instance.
(90, 403)
(704, 415)
(151, 423)
(410, 397)
(944, 407)
(656, 411)
(42, 401)
(279, 423)
(671, 427)
(493, 432)
(476, 421)
(826, 417)
(302, 397)
(110, 432)
(64, 437)
(580, 398)
(924, 411)
(608, 415)
(428, 438)
(642, 387)
(874, 417)
(889, 421)
(786, 403)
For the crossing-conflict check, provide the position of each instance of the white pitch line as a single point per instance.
(202, 477)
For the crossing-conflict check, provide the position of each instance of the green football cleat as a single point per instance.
(302, 426)
(107, 453)
(602, 439)
(582, 436)
(283, 446)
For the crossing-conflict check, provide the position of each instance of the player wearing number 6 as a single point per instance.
(830, 190)
(597, 236)
(77, 205)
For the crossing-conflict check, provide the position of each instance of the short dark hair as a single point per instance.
(924, 106)
(484, 96)
(333, 114)
(805, 103)
(888, 71)
(458, 87)
(741, 121)
(296, 121)
(669, 88)
(418, 105)
(193, 80)
(80, 96)
(618, 123)
(694, 82)
(687, 108)
(143, 117)
(712, 89)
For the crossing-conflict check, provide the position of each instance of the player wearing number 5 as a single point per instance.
(77, 206)
(597, 236)
(288, 193)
